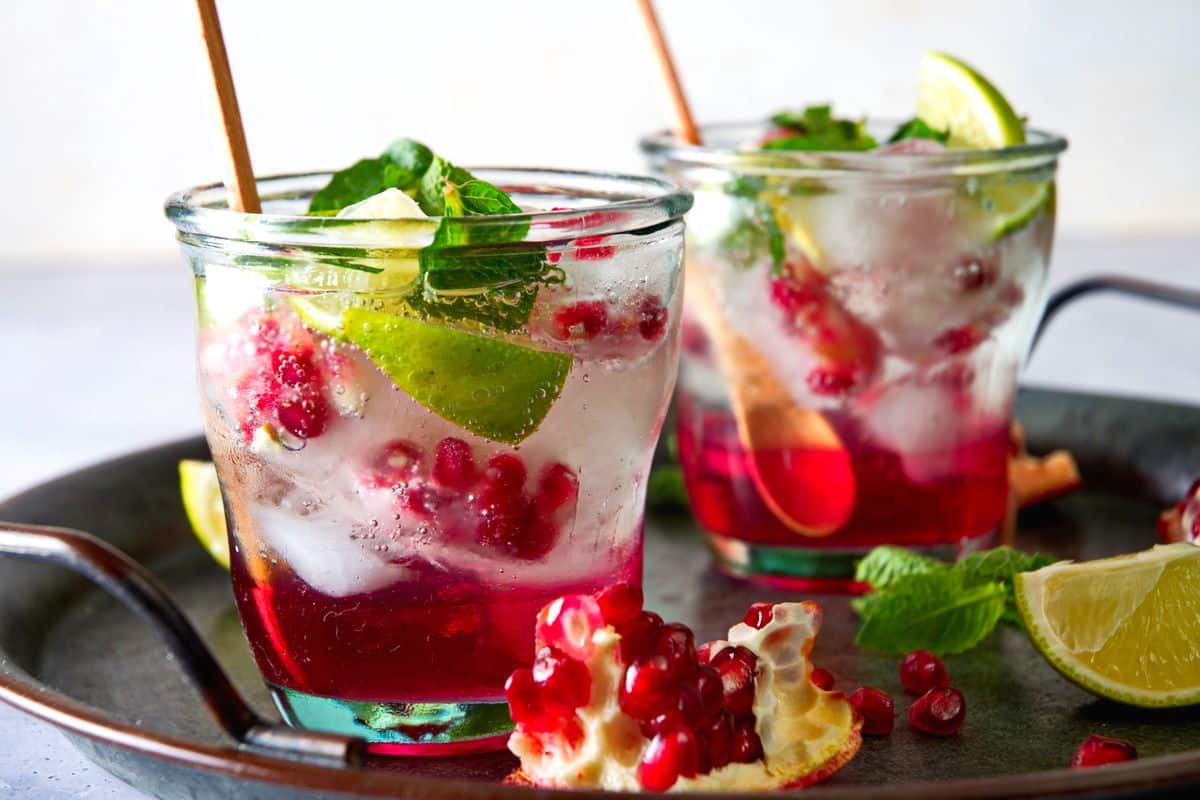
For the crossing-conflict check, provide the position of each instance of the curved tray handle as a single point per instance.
(1121, 284)
(141, 592)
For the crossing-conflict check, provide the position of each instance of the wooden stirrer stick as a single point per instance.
(685, 124)
(239, 177)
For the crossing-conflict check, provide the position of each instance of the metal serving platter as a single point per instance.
(74, 656)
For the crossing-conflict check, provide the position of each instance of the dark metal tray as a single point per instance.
(75, 657)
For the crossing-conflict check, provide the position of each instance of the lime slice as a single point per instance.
(202, 502)
(952, 96)
(1126, 628)
(492, 388)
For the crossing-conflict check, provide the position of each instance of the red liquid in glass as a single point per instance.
(438, 638)
(889, 507)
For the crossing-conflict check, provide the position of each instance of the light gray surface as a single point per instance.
(99, 362)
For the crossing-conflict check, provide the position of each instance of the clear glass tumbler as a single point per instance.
(853, 330)
(426, 429)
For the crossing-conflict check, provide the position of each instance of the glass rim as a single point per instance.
(616, 203)
(1043, 148)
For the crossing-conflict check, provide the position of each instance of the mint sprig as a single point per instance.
(917, 128)
(482, 273)
(815, 128)
(921, 603)
(933, 611)
(753, 230)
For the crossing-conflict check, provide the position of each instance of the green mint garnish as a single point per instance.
(933, 611)
(400, 167)
(665, 491)
(917, 128)
(885, 565)
(922, 603)
(753, 228)
(815, 128)
(485, 274)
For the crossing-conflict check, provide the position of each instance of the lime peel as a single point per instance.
(201, 494)
(1136, 621)
(493, 388)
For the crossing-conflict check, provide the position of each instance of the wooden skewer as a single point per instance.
(685, 124)
(239, 176)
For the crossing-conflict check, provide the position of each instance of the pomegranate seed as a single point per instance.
(557, 488)
(953, 341)
(579, 321)
(294, 367)
(792, 296)
(663, 722)
(567, 624)
(672, 754)
(974, 273)
(718, 735)
(454, 464)
(704, 652)
(831, 381)
(690, 705)
(418, 499)
(876, 708)
(737, 684)
(505, 475)
(921, 671)
(619, 603)
(735, 652)
(938, 712)
(566, 683)
(823, 679)
(394, 464)
(759, 615)
(588, 248)
(677, 646)
(1096, 751)
(525, 703)
(747, 747)
(538, 538)
(305, 417)
(639, 635)
(652, 318)
(711, 689)
(648, 689)
(503, 524)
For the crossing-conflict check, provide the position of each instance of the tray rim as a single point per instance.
(27, 694)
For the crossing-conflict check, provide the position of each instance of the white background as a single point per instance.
(106, 109)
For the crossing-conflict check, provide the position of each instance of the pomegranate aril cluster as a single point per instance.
(695, 708)
(284, 382)
(488, 503)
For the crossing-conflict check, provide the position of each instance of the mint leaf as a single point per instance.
(999, 564)
(400, 167)
(932, 611)
(815, 128)
(887, 564)
(753, 229)
(665, 490)
(917, 128)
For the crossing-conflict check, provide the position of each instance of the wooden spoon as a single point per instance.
(789, 447)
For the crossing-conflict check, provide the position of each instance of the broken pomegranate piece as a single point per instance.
(619, 700)
(1181, 522)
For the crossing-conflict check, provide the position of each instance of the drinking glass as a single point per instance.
(852, 336)
(426, 429)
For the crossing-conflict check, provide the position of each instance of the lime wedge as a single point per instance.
(951, 96)
(492, 388)
(1126, 628)
(202, 502)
